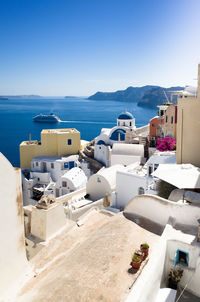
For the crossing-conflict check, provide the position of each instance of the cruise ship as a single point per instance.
(44, 118)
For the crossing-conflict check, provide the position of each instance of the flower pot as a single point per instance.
(139, 254)
(172, 284)
(144, 251)
(136, 265)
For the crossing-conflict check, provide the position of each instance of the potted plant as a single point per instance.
(144, 247)
(139, 254)
(136, 262)
(175, 275)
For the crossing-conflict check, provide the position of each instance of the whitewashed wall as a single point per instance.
(102, 154)
(124, 159)
(127, 186)
(159, 210)
(13, 262)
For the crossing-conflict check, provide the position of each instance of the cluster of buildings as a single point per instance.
(76, 211)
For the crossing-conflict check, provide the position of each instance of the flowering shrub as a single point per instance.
(166, 144)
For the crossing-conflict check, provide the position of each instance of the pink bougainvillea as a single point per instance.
(166, 144)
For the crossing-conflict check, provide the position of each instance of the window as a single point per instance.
(52, 165)
(69, 141)
(140, 191)
(36, 164)
(166, 119)
(65, 165)
(98, 179)
(130, 123)
(124, 124)
(153, 125)
(33, 165)
(172, 120)
(118, 123)
(64, 184)
(181, 257)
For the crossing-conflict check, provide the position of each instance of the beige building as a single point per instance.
(188, 128)
(54, 142)
(170, 121)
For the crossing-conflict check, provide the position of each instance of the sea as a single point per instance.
(87, 116)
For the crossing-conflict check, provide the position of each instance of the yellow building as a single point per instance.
(188, 128)
(54, 142)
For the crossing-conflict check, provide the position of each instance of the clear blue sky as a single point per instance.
(78, 47)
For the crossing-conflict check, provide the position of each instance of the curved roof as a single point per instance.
(125, 116)
(76, 176)
(110, 174)
(128, 149)
(118, 133)
(101, 142)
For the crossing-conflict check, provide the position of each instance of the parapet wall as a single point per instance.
(159, 210)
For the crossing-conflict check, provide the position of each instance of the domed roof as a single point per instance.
(118, 133)
(125, 116)
(101, 142)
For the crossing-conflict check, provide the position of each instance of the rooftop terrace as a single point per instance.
(88, 263)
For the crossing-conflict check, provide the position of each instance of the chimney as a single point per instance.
(198, 87)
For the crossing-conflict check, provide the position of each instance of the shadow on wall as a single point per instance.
(145, 223)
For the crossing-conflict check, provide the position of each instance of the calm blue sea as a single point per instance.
(85, 115)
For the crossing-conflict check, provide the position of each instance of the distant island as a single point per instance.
(70, 97)
(148, 96)
(6, 97)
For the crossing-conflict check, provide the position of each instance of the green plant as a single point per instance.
(144, 246)
(175, 274)
(135, 258)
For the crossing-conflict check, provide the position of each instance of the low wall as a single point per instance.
(65, 198)
(157, 209)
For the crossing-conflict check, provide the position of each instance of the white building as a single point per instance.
(137, 179)
(127, 154)
(72, 180)
(45, 172)
(103, 182)
(124, 132)
(55, 166)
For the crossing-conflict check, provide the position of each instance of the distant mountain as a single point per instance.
(157, 96)
(147, 96)
(131, 94)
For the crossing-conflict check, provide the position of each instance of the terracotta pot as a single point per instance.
(145, 251)
(136, 265)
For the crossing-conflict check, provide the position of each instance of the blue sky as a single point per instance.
(78, 47)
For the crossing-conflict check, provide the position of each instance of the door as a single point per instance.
(44, 167)
(57, 193)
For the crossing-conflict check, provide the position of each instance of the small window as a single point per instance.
(38, 179)
(52, 165)
(181, 257)
(98, 179)
(153, 125)
(124, 124)
(118, 123)
(69, 141)
(33, 165)
(66, 165)
(36, 164)
(140, 191)
(64, 184)
(166, 119)
(172, 120)
(130, 124)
